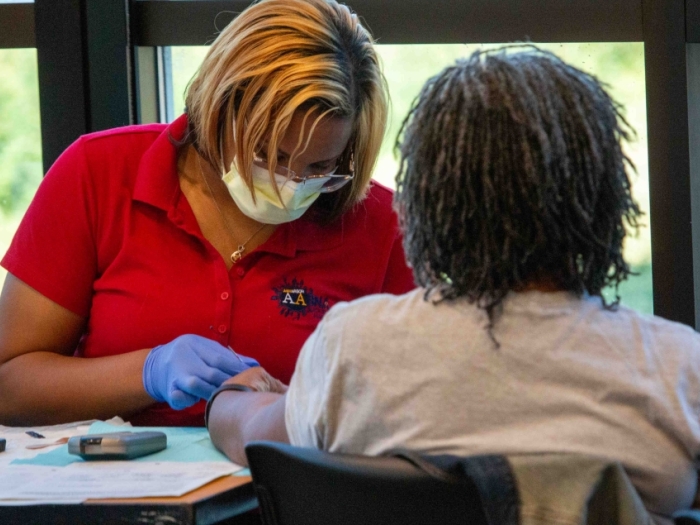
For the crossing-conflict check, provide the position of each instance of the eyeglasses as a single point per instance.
(334, 183)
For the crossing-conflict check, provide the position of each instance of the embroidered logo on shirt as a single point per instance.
(296, 300)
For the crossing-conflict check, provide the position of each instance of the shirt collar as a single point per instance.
(157, 184)
(157, 181)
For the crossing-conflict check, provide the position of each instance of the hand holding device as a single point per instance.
(190, 368)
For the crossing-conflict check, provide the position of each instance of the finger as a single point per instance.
(215, 351)
(279, 387)
(231, 367)
(249, 361)
(179, 399)
(264, 382)
(213, 376)
(196, 386)
(222, 358)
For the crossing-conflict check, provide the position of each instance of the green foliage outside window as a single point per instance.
(620, 65)
(20, 139)
(20, 133)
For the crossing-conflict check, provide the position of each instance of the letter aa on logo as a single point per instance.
(299, 302)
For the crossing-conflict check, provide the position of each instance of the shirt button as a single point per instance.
(222, 329)
(224, 296)
(240, 272)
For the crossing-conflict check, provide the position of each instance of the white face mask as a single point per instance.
(267, 207)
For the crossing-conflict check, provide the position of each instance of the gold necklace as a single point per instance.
(237, 255)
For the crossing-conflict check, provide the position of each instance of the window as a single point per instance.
(83, 91)
(20, 140)
(407, 67)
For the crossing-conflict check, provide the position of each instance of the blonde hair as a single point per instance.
(279, 56)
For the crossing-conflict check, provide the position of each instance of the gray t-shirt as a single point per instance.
(569, 376)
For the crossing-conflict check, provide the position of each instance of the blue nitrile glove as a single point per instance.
(190, 368)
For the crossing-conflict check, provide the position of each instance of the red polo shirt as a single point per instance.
(110, 236)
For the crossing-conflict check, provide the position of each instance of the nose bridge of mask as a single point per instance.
(292, 195)
(264, 189)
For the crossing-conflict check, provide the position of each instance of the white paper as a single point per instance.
(107, 479)
(18, 439)
(18, 476)
(13, 479)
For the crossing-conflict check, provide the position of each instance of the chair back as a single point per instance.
(299, 486)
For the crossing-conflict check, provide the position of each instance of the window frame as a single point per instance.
(101, 65)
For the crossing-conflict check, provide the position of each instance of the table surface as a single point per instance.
(212, 503)
(213, 488)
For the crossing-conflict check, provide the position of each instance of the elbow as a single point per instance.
(237, 455)
(229, 442)
(10, 408)
(249, 417)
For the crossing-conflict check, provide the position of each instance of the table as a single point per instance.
(218, 501)
(225, 500)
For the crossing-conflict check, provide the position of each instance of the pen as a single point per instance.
(34, 434)
(234, 353)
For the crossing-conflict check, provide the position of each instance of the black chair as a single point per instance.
(687, 517)
(298, 486)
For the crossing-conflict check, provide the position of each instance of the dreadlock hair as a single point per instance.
(512, 174)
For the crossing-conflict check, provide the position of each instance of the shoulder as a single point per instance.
(671, 344)
(377, 204)
(117, 142)
(374, 214)
(650, 322)
(105, 151)
(353, 336)
(379, 194)
(667, 354)
(108, 161)
(658, 326)
(378, 199)
(372, 313)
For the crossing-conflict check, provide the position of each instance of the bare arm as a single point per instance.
(237, 418)
(40, 380)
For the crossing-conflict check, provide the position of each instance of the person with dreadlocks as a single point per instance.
(514, 198)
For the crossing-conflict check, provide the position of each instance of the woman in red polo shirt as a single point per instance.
(156, 251)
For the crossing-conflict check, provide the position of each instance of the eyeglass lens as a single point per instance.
(335, 182)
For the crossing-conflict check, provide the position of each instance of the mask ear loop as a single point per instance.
(235, 164)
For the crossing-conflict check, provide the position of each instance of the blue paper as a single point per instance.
(185, 444)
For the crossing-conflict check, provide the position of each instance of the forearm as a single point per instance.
(237, 418)
(42, 388)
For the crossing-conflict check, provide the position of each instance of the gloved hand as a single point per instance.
(190, 368)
